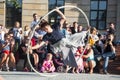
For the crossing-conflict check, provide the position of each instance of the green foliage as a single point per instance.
(15, 3)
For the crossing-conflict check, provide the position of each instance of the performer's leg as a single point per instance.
(68, 56)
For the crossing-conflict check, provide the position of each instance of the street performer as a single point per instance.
(59, 43)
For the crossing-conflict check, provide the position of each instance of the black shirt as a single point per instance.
(55, 36)
(73, 30)
(108, 48)
(111, 31)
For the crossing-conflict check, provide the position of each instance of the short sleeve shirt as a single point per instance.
(6, 47)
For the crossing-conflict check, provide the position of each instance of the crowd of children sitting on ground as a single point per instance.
(14, 44)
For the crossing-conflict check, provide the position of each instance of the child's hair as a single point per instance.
(6, 35)
(49, 54)
(16, 22)
(26, 27)
(93, 29)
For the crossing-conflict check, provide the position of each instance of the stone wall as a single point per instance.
(30, 6)
(118, 21)
(2, 12)
(41, 7)
(113, 15)
(111, 11)
(74, 14)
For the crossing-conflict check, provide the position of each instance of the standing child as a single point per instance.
(17, 33)
(48, 65)
(79, 61)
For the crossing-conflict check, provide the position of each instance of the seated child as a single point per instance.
(5, 50)
(48, 65)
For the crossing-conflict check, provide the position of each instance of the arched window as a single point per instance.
(54, 17)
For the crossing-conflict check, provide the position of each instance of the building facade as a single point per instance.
(2, 12)
(99, 12)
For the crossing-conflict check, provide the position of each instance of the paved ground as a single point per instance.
(59, 76)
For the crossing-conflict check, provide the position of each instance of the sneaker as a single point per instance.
(14, 69)
(7, 68)
(0, 69)
(26, 69)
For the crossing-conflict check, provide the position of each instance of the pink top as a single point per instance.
(48, 63)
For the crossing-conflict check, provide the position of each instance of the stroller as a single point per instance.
(59, 65)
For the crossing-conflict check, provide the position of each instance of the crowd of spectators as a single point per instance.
(14, 46)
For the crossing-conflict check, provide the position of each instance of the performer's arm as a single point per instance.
(38, 45)
(60, 13)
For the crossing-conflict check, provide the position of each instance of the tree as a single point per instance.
(15, 3)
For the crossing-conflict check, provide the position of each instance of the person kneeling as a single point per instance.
(89, 59)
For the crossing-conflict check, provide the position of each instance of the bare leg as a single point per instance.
(73, 70)
(85, 64)
(92, 65)
(4, 57)
(77, 70)
(67, 68)
(6, 63)
(1, 78)
(36, 60)
(12, 59)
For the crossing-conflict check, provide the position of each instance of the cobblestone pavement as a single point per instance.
(59, 76)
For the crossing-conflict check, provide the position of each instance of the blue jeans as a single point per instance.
(106, 57)
(18, 41)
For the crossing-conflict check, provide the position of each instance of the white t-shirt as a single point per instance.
(17, 32)
(2, 33)
(94, 37)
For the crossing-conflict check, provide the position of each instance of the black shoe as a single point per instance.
(105, 72)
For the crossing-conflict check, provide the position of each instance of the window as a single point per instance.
(13, 13)
(54, 17)
(98, 13)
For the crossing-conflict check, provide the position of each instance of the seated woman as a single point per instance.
(22, 54)
(48, 65)
(89, 58)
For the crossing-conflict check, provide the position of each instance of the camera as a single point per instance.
(109, 40)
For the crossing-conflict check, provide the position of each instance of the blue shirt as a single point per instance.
(6, 47)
